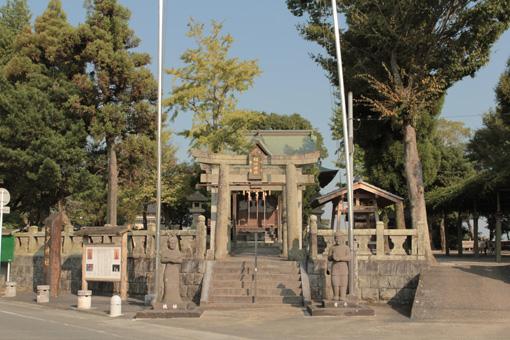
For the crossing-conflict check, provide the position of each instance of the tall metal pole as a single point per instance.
(158, 184)
(351, 130)
(348, 168)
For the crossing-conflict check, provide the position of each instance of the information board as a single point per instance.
(102, 263)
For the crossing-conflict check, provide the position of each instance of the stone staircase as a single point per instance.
(232, 283)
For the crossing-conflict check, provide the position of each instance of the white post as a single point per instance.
(8, 271)
(158, 189)
(348, 167)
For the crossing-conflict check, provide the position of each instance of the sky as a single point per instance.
(290, 82)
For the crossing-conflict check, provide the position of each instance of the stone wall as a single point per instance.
(27, 267)
(393, 281)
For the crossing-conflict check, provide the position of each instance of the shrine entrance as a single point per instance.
(256, 217)
(258, 195)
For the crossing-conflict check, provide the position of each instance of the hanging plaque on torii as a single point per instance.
(255, 160)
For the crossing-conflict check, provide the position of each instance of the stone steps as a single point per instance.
(260, 277)
(232, 283)
(261, 270)
(224, 299)
(260, 291)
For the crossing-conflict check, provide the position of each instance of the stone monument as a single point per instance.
(339, 256)
(172, 258)
(170, 304)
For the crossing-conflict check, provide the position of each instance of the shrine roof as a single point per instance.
(285, 142)
(384, 198)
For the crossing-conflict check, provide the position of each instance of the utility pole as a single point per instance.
(348, 166)
(158, 184)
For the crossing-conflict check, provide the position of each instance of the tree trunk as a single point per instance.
(414, 179)
(475, 234)
(112, 183)
(442, 232)
(460, 234)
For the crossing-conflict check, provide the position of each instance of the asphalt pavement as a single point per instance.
(26, 320)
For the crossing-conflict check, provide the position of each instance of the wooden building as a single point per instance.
(368, 199)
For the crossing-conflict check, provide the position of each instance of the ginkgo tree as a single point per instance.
(207, 86)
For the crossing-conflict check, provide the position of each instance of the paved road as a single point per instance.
(19, 320)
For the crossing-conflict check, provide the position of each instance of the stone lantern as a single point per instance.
(196, 199)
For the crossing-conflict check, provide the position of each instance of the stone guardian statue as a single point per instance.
(339, 255)
(172, 258)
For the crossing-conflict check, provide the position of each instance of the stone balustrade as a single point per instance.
(141, 243)
(378, 243)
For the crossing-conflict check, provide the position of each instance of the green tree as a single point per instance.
(207, 87)
(490, 144)
(402, 55)
(42, 138)
(14, 17)
(118, 92)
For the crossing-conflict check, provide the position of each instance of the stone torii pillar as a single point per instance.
(291, 193)
(221, 237)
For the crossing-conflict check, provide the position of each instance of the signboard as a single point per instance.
(102, 262)
(5, 197)
(7, 249)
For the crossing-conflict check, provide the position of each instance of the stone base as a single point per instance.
(169, 313)
(339, 308)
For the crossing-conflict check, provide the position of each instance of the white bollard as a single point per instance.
(10, 289)
(43, 294)
(84, 299)
(115, 306)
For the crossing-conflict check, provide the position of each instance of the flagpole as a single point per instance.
(348, 167)
(158, 184)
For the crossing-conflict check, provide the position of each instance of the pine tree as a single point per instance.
(118, 91)
(42, 147)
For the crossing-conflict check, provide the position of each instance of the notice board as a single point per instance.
(102, 262)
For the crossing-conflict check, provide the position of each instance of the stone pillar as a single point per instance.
(123, 267)
(221, 239)
(291, 192)
(399, 215)
(379, 230)
(201, 237)
(213, 220)
(285, 250)
(313, 237)
(300, 217)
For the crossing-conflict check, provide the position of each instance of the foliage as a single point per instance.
(118, 91)
(207, 87)
(14, 17)
(182, 179)
(42, 138)
(401, 56)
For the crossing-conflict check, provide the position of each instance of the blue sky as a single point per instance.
(291, 81)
